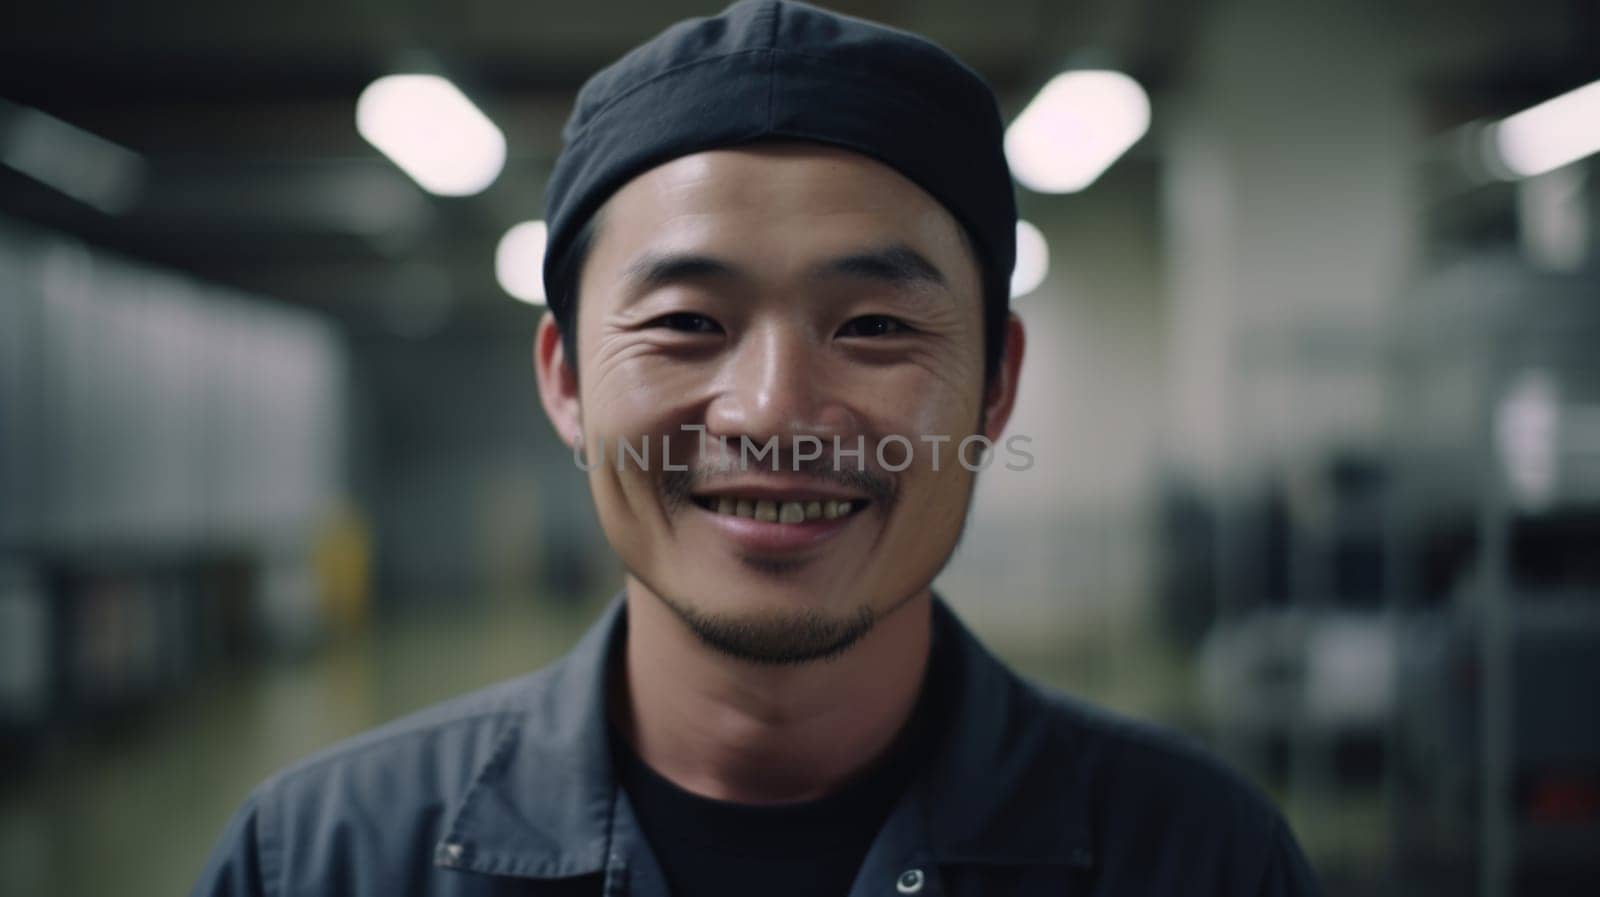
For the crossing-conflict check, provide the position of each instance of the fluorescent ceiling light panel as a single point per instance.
(1033, 260)
(1554, 133)
(429, 128)
(1080, 123)
(519, 261)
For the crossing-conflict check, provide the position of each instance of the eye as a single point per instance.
(874, 325)
(687, 322)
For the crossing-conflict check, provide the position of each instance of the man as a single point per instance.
(781, 348)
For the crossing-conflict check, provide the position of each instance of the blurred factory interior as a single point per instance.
(1313, 382)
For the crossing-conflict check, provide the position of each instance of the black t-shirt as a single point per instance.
(709, 848)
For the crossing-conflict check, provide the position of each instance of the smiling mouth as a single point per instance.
(771, 511)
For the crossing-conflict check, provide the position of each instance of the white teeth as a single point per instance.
(772, 511)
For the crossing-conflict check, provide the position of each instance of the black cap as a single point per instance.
(777, 69)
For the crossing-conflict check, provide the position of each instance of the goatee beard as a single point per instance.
(777, 637)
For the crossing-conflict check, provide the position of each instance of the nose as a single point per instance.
(777, 384)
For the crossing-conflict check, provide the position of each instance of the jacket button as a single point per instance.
(909, 882)
(450, 853)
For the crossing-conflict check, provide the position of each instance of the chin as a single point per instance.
(768, 625)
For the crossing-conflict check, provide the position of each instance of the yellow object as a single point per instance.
(342, 557)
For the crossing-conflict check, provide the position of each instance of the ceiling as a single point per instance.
(255, 176)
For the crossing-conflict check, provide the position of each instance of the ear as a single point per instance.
(1002, 394)
(558, 381)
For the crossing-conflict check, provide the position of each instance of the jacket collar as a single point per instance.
(1004, 786)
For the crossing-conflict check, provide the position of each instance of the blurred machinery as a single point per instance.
(1496, 737)
(1422, 617)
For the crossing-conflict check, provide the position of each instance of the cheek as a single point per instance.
(917, 402)
(936, 389)
(633, 397)
(933, 502)
(641, 403)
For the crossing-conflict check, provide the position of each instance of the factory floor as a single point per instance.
(135, 808)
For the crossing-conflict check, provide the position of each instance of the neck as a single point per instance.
(736, 730)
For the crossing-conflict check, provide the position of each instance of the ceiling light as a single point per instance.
(432, 132)
(519, 261)
(1552, 134)
(1078, 125)
(82, 165)
(1033, 260)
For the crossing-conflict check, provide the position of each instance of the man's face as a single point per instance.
(778, 290)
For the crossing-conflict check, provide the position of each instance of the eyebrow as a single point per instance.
(894, 264)
(660, 269)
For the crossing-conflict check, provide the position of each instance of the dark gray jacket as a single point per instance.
(509, 791)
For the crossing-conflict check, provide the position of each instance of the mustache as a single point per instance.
(879, 487)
